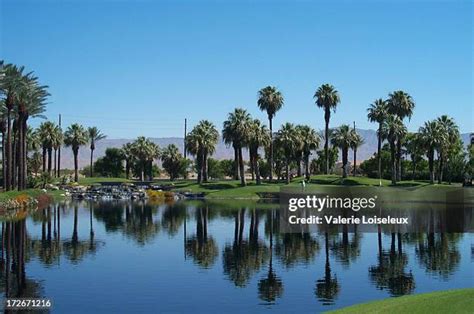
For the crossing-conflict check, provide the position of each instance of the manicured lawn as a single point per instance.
(89, 181)
(232, 189)
(451, 301)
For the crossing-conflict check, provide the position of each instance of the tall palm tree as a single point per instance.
(144, 152)
(393, 130)
(327, 98)
(47, 133)
(287, 138)
(94, 136)
(75, 137)
(311, 141)
(357, 141)
(430, 134)
(201, 142)
(172, 160)
(270, 100)
(128, 156)
(208, 137)
(235, 131)
(450, 133)
(342, 138)
(58, 140)
(31, 103)
(10, 83)
(401, 104)
(377, 112)
(257, 137)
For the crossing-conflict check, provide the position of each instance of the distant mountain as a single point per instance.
(222, 151)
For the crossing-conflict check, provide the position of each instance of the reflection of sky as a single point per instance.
(123, 276)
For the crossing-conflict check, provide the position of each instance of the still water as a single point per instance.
(195, 256)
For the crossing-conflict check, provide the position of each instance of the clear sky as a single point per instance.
(140, 67)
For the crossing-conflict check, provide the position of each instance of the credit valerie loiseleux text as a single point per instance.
(314, 202)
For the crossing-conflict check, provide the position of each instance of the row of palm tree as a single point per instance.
(142, 152)
(21, 97)
(50, 138)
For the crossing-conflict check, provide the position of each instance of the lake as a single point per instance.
(222, 256)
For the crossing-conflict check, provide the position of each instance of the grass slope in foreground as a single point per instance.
(451, 301)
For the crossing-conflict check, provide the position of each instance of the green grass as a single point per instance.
(451, 301)
(94, 180)
(30, 192)
(232, 189)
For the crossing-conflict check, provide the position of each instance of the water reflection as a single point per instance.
(242, 243)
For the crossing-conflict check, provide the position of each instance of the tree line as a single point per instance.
(284, 153)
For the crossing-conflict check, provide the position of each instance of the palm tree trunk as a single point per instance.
(204, 167)
(399, 160)
(50, 160)
(252, 168)
(298, 163)
(15, 157)
(236, 163)
(25, 153)
(440, 168)
(59, 162)
(199, 166)
(379, 149)
(4, 164)
(242, 168)
(44, 158)
(326, 143)
(345, 153)
(394, 162)
(127, 169)
(355, 162)
(92, 164)
(287, 170)
(9, 151)
(76, 165)
(431, 165)
(55, 153)
(257, 169)
(306, 166)
(270, 120)
(20, 152)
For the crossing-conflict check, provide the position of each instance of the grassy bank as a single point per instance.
(451, 301)
(29, 192)
(232, 189)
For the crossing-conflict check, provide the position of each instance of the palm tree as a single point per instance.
(270, 100)
(208, 137)
(75, 137)
(342, 138)
(414, 147)
(357, 141)
(47, 133)
(377, 112)
(128, 156)
(58, 140)
(10, 84)
(401, 104)
(311, 141)
(450, 134)
(327, 98)
(258, 136)
(94, 136)
(393, 129)
(430, 135)
(144, 152)
(201, 142)
(235, 132)
(287, 139)
(172, 161)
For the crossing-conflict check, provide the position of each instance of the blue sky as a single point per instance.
(140, 67)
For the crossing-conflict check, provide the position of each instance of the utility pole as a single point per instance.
(354, 151)
(185, 133)
(58, 174)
